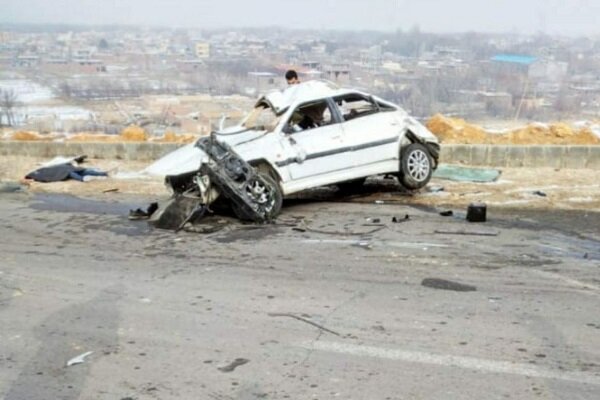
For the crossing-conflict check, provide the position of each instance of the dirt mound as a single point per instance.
(455, 130)
(171, 137)
(24, 135)
(133, 133)
(92, 137)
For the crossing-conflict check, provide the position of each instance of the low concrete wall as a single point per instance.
(481, 155)
(117, 151)
(553, 156)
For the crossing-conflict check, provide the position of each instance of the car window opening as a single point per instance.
(355, 106)
(262, 118)
(310, 116)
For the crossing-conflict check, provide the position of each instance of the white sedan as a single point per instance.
(309, 135)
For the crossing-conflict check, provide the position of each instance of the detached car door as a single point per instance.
(316, 139)
(371, 130)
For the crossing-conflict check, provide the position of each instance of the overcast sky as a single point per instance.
(564, 17)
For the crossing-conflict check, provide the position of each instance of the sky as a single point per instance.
(557, 17)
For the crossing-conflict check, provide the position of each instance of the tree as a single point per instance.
(8, 100)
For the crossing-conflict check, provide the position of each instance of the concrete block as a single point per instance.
(556, 155)
(447, 153)
(497, 156)
(515, 156)
(594, 158)
(479, 154)
(461, 154)
(537, 156)
(576, 157)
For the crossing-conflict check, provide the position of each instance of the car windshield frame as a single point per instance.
(378, 106)
(251, 122)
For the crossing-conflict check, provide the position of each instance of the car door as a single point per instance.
(370, 129)
(316, 138)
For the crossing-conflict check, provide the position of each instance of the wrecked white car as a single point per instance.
(310, 135)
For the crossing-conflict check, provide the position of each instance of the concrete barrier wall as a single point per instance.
(117, 151)
(523, 156)
(477, 155)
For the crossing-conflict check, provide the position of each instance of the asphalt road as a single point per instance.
(324, 304)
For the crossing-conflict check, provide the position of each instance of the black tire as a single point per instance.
(265, 194)
(416, 166)
(353, 186)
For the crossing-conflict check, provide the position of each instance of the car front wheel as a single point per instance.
(264, 196)
(416, 166)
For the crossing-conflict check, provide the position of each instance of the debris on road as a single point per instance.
(143, 214)
(443, 284)
(321, 327)
(464, 174)
(110, 190)
(342, 233)
(435, 189)
(466, 233)
(364, 244)
(233, 365)
(80, 359)
(540, 193)
(476, 212)
(447, 213)
(397, 220)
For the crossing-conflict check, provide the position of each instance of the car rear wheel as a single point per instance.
(416, 166)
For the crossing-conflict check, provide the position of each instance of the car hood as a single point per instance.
(189, 157)
(238, 135)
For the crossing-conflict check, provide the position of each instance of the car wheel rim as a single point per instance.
(418, 165)
(260, 194)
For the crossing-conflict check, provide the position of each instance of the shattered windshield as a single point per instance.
(262, 118)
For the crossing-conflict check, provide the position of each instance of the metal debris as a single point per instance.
(436, 283)
(80, 359)
(321, 327)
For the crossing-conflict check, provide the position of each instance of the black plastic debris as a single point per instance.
(232, 366)
(447, 213)
(175, 213)
(540, 193)
(476, 212)
(442, 284)
(143, 214)
(397, 220)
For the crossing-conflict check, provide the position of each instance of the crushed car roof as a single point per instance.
(301, 93)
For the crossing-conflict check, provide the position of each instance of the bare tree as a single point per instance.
(8, 100)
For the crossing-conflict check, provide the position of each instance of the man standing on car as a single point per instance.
(292, 77)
